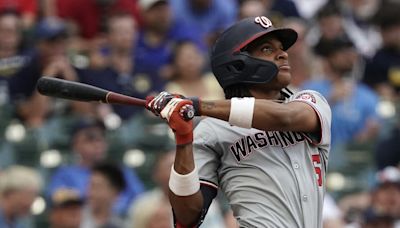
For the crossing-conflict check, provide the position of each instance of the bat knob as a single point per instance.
(187, 112)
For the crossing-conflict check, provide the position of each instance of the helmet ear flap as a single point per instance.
(236, 67)
(240, 67)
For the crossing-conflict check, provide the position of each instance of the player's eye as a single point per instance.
(267, 50)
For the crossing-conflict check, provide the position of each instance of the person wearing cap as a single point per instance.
(385, 197)
(354, 115)
(66, 209)
(89, 146)
(207, 17)
(265, 147)
(160, 31)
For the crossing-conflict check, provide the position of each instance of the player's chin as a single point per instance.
(284, 77)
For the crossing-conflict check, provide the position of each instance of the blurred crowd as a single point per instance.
(66, 164)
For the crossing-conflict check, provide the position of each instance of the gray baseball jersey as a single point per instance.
(270, 178)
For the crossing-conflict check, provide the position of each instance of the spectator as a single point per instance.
(386, 150)
(66, 209)
(48, 58)
(12, 59)
(207, 17)
(372, 219)
(251, 8)
(329, 24)
(382, 71)
(19, 186)
(354, 117)
(11, 34)
(28, 9)
(160, 31)
(114, 69)
(89, 146)
(386, 196)
(188, 77)
(106, 183)
(357, 17)
(152, 209)
(278, 9)
(90, 16)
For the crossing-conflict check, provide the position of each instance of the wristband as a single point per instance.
(196, 105)
(241, 113)
(184, 184)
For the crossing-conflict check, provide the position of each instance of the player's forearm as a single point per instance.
(187, 209)
(268, 115)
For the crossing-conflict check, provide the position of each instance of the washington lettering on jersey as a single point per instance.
(247, 144)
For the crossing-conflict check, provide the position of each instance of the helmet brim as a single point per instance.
(286, 36)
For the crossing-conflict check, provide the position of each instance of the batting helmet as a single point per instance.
(232, 65)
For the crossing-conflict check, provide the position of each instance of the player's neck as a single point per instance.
(263, 94)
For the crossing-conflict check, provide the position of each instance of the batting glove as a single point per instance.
(156, 104)
(173, 113)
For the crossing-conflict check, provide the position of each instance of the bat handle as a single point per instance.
(187, 112)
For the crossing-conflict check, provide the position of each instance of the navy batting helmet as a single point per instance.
(232, 65)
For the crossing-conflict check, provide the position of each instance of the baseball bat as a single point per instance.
(77, 91)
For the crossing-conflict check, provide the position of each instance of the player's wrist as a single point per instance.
(183, 139)
(196, 102)
(184, 184)
(241, 112)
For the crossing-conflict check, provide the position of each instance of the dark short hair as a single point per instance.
(85, 122)
(112, 173)
(326, 47)
(328, 10)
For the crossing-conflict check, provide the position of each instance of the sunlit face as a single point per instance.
(271, 49)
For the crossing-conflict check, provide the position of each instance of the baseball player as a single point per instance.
(264, 147)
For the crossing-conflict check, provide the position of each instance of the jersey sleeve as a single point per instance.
(322, 109)
(206, 154)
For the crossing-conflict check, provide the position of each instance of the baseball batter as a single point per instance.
(264, 147)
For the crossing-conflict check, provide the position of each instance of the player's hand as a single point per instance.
(173, 112)
(157, 103)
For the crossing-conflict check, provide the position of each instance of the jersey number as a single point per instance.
(317, 167)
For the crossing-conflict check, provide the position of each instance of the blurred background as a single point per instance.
(68, 164)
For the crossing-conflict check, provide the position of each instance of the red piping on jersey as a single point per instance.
(209, 184)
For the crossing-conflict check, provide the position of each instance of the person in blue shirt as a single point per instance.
(161, 31)
(112, 65)
(90, 147)
(354, 116)
(208, 17)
